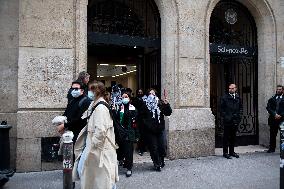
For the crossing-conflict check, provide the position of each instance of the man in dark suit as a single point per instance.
(231, 113)
(275, 108)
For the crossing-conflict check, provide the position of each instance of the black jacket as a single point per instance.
(74, 111)
(271, 108)
(231, 109)
(142, 110)
(126, 116)
(153, 125)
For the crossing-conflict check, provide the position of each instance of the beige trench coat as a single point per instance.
(100, 170)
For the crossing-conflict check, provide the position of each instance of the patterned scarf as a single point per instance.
(152, 105)
(116, 99)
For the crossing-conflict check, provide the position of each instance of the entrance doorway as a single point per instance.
(233, 59)
(124, 43)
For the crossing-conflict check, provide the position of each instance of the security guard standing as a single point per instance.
(231, 113)
(275, 108)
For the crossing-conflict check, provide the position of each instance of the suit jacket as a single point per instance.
(231, 109)
(271, 108)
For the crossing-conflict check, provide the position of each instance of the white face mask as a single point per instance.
(151, 97)
(76, 93)
(125, 100)
(91, 95)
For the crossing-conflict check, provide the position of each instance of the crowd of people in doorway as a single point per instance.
(106, 122)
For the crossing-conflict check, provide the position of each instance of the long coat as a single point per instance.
(100, 169)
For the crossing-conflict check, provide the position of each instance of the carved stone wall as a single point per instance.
(9, 50)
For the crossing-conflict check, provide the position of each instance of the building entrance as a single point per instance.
(233, 59)
(124, 43)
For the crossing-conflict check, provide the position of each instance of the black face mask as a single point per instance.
(139, 95)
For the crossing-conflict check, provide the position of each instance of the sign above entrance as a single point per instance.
(231, 50)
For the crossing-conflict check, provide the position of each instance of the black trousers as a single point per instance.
(156, 146)
(125, 153)
(273, 134)
(141, 146)
(229, 137)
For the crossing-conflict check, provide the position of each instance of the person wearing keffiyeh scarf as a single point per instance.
(116, 99)
(152, 104)
(155, 127)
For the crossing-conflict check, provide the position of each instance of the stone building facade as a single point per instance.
(43, 46)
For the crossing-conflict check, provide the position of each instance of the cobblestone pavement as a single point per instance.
(257, 170)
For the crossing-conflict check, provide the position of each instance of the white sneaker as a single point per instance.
(128, 173)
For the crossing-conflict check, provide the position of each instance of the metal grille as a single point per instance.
(124, 17)
(232, 36)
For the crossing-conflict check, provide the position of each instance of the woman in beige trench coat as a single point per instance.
(99, 168)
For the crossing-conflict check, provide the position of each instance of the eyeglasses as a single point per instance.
(75, 89)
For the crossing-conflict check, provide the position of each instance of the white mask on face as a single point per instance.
(91, 95)
(151, 97)
(125, 100)
(76, 93)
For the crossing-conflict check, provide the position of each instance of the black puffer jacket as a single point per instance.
(74, 111)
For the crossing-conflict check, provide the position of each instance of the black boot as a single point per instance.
(157, 168)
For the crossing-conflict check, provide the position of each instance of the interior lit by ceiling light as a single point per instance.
(104, 64)
(120, 65)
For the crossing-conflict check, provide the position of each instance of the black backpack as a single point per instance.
(119, 131)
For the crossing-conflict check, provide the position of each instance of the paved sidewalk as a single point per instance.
(251, 171)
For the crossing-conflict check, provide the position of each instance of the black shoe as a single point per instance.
(128, 173)
(73, 183)
(3, 180)
(157, 168)
(120, 162)
(163, 164)
(235, 155)
(270, 151)
(227, 156)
